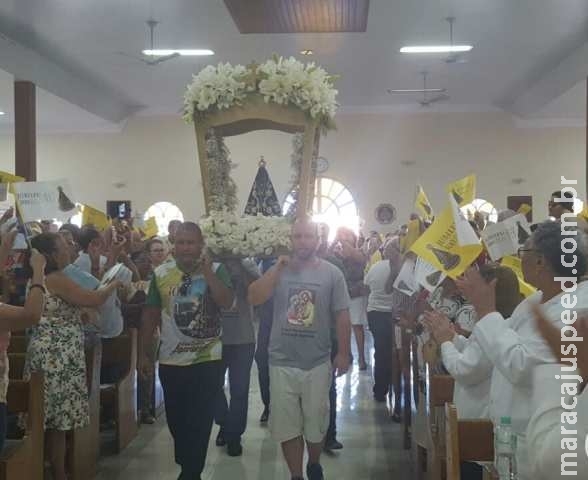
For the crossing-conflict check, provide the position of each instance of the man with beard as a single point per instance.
(300, 348)
(185, 297)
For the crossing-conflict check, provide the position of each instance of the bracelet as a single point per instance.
(39, 286)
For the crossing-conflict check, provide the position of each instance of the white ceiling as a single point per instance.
(528, 56)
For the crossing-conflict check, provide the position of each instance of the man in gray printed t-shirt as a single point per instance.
(310, 295)
(305, 303)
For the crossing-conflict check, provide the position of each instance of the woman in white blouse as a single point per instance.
(514, 345)
(544, 436)
(463, 357)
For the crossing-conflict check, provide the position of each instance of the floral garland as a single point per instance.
(229, 235)
(279, 80)
(222, 188)
(296, 166)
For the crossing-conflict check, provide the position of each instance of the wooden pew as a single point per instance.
(156, 401)
(466, 441)
(428, 446)
(419, 436)
(23, 459)
(84, 444)
(438, 391)
(16, 363)
(407, 378)
(121, 352)
(18, 344)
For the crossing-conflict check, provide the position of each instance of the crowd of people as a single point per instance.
(195, 316)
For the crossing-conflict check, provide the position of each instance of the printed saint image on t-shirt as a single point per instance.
(190, 313)
(301, 302)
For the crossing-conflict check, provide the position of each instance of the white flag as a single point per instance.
(505, 238)
(44, 200)
(465, 232)
(405, 281)
(427, 275)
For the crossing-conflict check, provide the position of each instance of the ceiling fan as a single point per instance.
(430, 95)
(152, 60)
(453, 57)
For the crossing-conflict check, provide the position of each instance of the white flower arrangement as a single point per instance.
(220, 87)
(285, 81)
(223, 190)
(308, 86)
(250, 236)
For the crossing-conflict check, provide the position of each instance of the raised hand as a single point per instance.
(38, 261)
(440, 327)
(8, 214)
(283, 262)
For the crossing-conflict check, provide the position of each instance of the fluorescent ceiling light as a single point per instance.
(2, 113)
(182, 52)
(436, 49)
(419, 90)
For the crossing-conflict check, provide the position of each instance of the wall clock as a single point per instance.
(385, 214)
(322, 165)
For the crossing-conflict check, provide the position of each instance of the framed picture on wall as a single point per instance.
(516, 202)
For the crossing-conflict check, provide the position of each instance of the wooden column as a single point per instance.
(25, 130)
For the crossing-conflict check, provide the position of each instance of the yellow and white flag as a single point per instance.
(524, 208)
(6, 180)
(463, 190)
(414, 230)
(584, 213)
(466, 235)
(44, 200)
(96, 218)
(150, 229)
(514, 263)
(439, 246)
(422, 204)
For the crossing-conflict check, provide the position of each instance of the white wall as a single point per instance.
(156, 158)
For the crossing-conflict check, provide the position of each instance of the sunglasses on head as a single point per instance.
(186, 285)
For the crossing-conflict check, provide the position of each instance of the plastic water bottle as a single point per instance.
(505, 449)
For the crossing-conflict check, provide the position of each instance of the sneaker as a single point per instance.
(314, 471)
(220, 439)
(333, 444)
(265, 415)
(234, 449)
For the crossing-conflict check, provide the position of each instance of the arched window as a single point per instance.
(484, 207)
(333, 204)
(164, 212)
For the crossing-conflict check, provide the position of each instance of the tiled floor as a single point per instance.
(373, 445)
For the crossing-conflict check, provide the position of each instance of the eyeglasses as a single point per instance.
(186, 285)
(521, 250)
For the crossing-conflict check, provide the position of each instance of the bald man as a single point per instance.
(310, 295)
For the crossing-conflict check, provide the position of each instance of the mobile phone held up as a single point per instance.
(120, 209)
